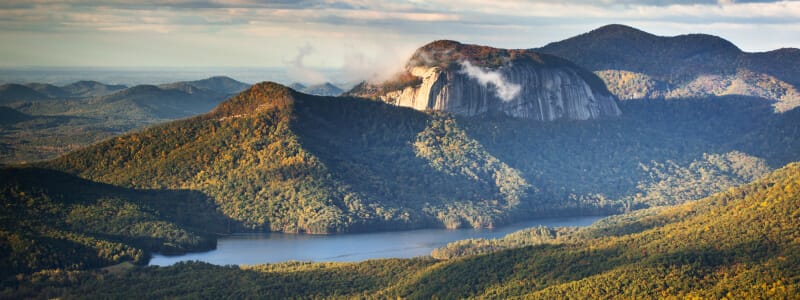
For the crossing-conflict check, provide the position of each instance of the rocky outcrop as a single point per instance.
(475, 80)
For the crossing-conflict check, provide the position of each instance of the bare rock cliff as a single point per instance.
(474, 80)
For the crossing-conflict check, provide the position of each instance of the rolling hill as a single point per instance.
(86, 88)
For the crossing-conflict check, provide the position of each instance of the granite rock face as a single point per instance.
(474, 80)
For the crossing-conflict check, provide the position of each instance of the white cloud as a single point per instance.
(505, 90)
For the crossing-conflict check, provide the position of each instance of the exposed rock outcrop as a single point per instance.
(474, 80)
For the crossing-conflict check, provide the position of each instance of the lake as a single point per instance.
(259, 248)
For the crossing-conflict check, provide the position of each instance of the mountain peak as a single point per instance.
(620, 47)
(618, 29)
(259, 97)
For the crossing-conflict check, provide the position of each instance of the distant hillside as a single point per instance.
(149, 102)
(218, 84)
(16, 93)
(277, 159)
(85, 112)
(743, 243)
(83, 89)
(635, 64)
(322, 89)
(10, 93)
(49, 90)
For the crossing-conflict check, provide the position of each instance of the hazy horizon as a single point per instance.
(360, 38)
(150, 75)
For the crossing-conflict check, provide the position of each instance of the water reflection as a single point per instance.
(249, 249)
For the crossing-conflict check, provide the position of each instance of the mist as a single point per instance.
(297, 71)
(505, 90)
(387, 62)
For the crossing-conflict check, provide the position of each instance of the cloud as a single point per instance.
(347, 30)
(297, 71)
(385, 63)
(505, 90)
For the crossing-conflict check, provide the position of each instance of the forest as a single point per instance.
(740, 243)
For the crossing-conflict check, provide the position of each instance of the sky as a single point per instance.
(355, 36)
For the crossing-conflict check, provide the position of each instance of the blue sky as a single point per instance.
(355, 35)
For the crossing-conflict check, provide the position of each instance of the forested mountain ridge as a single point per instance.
(636, 64)
(740, 243)
(280, 160)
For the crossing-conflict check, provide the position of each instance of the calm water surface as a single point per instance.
(252, 248)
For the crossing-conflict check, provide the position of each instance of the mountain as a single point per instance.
(83, 89)
(276, 159)
(219, 84)
(475, 80)
(636, 64)
(743, 243)
(12, 92)
(322, 89)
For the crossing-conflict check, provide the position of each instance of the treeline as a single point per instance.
(741, 243)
